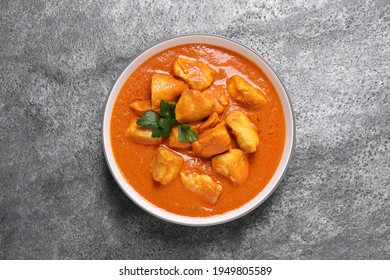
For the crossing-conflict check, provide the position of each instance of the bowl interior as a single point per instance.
(231, 215)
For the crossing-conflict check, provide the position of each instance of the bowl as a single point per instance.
(233, 214)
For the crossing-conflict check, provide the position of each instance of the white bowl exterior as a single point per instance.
(233, 214)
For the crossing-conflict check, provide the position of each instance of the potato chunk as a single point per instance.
(212, 142)
(165, 87)
(192, 106)
(140, 107)
(241, 91)
(197, 74)
(219, 97)
(233, 165)
(165, 165)
(141, 135)
(211, 122)
(203, 185)
(244, 130)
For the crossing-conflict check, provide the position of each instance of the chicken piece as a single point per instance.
(165, 87)
(140, 107)
(165, 165)
(219, 96)
(233, 165)
(203, 185)
(212, 142)
(197, 74)
(192, 106)
(141, 135)
(174, 142)
(241, 91)
(244, 130)
(211, 122)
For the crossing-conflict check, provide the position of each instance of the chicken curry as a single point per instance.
(198, 130)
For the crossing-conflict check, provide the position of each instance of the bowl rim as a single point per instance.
(162, 213)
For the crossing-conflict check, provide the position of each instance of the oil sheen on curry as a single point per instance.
(198, 130)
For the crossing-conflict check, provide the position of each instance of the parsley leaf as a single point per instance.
(157, 133)
(167, 110)
(186, 134)
(149, 120)
(161, 125)
(166, 127)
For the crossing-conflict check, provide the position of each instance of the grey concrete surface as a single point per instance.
(59, 60)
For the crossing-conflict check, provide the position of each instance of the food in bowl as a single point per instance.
(198, 130)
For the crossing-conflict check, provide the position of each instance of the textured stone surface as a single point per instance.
(59, 60)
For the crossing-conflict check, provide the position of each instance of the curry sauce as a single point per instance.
(134, 159)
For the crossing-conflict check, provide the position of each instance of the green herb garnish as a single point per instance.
(161, 125)
(186, 134)
(149, 120)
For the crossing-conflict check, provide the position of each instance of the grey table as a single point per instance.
(59, 61)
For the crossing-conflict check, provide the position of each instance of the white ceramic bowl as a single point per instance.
(233, 214)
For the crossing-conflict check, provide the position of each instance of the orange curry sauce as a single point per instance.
(134, 160)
